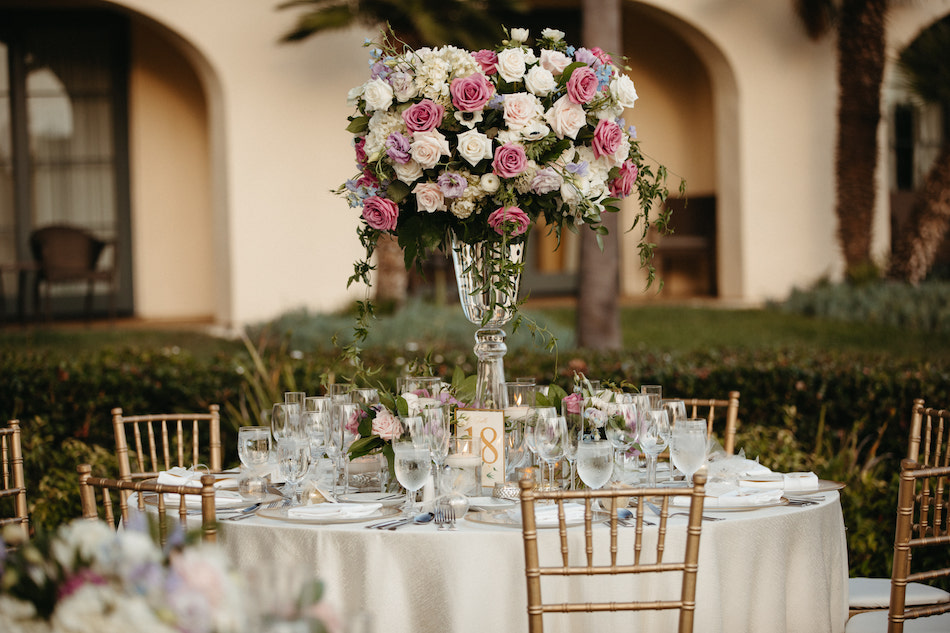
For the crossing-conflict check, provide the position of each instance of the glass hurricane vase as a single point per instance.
(488, 275)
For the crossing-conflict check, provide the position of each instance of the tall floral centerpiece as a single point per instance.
(465, 151)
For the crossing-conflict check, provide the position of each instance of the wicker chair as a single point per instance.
(660, 563)
(922, 524)
(162, 441)
(928, 446)
(12, 479)
(149, 494)
(714, 409)
(70, 254)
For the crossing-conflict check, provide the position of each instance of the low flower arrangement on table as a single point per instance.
(88, 578)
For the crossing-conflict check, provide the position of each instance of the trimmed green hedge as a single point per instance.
(844, 417)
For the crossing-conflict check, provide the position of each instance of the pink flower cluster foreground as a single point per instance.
(484, 143)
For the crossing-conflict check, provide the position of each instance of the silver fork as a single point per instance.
(444, 517)
(658, 512)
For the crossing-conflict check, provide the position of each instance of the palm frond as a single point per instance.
(926, 63)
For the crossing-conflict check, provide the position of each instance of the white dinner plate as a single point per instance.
(744, 507)
(489, 503)
(388, 499)
(280, 514)
(824, 485)
(504, 518)
(194, 501)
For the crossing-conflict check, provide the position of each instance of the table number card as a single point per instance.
(489, 426)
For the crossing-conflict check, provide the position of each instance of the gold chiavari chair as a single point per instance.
(13, 481)
(162, 441)
(662, 562)
(713, 409)
(922, 525)
(146, 490)
(927, 445)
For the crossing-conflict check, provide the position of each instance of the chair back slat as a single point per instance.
(177, 439)
(687, 565)
(713, 409)
(90, 510)
(13, 478)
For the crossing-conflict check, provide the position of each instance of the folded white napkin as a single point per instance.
(734, 466)
(721, 495)
(785, 481)
(334, 510)
(222, 499)
(179, 476)
(546, 516)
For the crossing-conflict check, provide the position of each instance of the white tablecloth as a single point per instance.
(771, 570)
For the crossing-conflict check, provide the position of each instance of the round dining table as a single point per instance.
(780, 569)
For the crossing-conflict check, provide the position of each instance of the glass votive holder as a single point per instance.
(520, 394)
(464, 467)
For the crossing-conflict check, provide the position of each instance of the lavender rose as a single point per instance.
(511, 220)
(423, 116)
(470, 94)
(380, 213)
(453, 184)
(510, 160)
(546, 181)
(607, 138)
(582, 86)
(397, 148)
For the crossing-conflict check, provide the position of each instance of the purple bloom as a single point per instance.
(397, 148)
(378, 70)
(452, 184)
(579, 169)
(586, 56)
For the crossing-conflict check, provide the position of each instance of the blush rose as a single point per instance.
(582, 86)
(380, 213)
(622, 185)
(512, 220)
(470, 94)
(607, 138)
(510, 160)
(386, 425)
(423, 116)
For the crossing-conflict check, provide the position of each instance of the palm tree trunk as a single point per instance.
(929, 220)
(598, 309)
(861, 58)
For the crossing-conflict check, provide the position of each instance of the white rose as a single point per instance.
(552, 34)
(519, 35)
(428, 147)
(539, 81)
(554, 61)
(621, 89)
(566, 118)
(409, 172)
(521, 109)
(353, 96)
(489, 183)
(462, 208)
(378, 95)
(511, 64)
(404, 87)
(474, 146)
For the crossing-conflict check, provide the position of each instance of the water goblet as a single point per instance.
(622, 426)
(688, 446)
(293, 462)
(654, 436)
(594, 462)
(413, 465)
(550, 434)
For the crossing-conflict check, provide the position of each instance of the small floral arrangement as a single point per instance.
(480, 145)
(88, 578)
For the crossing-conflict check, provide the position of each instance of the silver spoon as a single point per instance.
(419, 519)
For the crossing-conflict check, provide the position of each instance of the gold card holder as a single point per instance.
(488, 425)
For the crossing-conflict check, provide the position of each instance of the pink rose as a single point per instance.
(368, 179)
(386, 425)
(582, 86)
(352, 423)
(380, 213)
(470, 94)
(359, 146)
(488, 60)
(572, 403)
(622, 185)
(607, 138)
(601, 55)
(510, 160)
(423, 116)
(429, 197)
(512, 220)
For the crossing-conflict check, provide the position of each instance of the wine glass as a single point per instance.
(549, 436)
(594, 462)
(285, 421)
(412, 464)
(293, 462)
(436, 433)
(654, 436)
(622, 425)
(688, 446)
(535, 414)
(254, 452)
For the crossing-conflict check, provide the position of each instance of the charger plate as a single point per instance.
(280, 514)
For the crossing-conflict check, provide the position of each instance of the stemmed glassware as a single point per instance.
(654, 437)
(316, 411)
(594, 462)
(622, 427)
(254, 452)
(688, 448)
(293, 462)
(413, 465)
(436, 433)
(675, 411)
(550, 434)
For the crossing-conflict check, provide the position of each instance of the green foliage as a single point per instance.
(924, 308)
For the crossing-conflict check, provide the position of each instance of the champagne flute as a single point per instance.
(675, 411)
(688, 448)
(622, 426)
(535, 414)
(594, 462)
(316, 409)
(654, 436)
(436, 433)
(549, 436)
(413, 465)
(293, 462)
(282, 420)
(348, 414)
(572, 410)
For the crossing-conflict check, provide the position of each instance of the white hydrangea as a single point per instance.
(381, 125)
